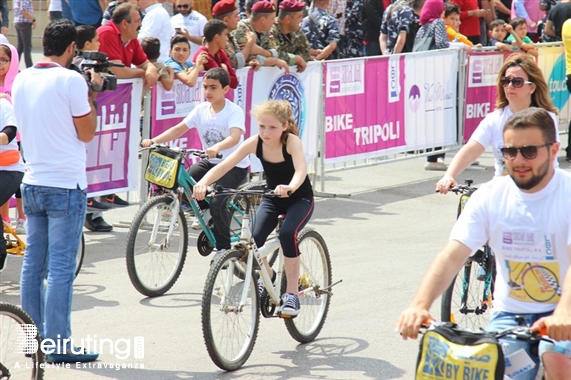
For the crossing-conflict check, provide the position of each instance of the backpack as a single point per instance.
(426, 42)
(411, 36)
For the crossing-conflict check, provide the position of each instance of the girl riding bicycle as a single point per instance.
(280, 150)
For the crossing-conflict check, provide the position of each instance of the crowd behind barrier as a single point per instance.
(347, 110)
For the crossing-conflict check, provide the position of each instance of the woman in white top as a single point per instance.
(520, 85)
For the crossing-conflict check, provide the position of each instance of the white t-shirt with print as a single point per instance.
(46, 98)
(7, 118)
(194, 24)
(490, 131)
(215, 127)
(530, 234)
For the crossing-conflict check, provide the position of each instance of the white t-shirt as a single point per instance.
(157, 23)
(530, 235)
(215, 127)
(490, 131)
(7, 118)
(46, 98)
(55, 6)
(194, 24)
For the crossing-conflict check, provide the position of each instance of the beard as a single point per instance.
(536, 178)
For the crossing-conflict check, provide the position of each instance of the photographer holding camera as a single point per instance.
(56, 115)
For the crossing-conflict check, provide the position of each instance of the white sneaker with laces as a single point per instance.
(290, 305)
(205, 216)
(21, 227)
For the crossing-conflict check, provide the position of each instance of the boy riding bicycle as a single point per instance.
(220, 124)
(526, 219)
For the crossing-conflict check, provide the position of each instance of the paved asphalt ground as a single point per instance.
(381, 235)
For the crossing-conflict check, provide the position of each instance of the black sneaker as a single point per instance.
(97, 225)
(262, 288)
(113, 200)
(3, 259)
(290, 305)
(93, 205)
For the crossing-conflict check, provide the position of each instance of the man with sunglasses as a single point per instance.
(189, 23)
(526, 219)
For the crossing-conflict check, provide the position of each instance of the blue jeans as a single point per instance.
(55, 222)
(503, 320)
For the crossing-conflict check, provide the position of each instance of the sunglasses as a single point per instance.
(517, 82)
(183, 6)
(529, 152)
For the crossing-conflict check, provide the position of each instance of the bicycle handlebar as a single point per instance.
(518, 332)
(465, 188)
(183, 151)
(219, 191)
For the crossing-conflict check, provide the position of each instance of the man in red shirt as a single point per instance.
(118, 40)
(470, 15)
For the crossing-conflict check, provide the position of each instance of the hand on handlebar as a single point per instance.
(284, 191)
(445, 184)
(559, 327)
(410, 321)
(213, 152)
(147, 143)
(199, 191)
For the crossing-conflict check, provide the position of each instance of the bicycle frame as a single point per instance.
(13, 247)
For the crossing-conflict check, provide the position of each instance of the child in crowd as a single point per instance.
(183, 69)
(221, 126)
(152, 48)
(519, 25)
(499, 31)
(88, 40)
(452, 21)
(216, 36)
(279, 148)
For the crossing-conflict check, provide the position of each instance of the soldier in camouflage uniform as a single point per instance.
(290, 42)
(260, 22)
(322, 31)
(354, 46)
(226, 11)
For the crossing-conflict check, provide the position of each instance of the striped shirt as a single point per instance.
(22, 5)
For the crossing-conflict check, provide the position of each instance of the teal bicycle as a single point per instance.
(157, 241)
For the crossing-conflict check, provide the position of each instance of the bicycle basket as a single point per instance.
(449, 352)
(162, 168)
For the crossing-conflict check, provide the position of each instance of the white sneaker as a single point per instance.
(21, 227)
(205, 216)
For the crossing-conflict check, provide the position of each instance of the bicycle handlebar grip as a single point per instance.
(542, 331)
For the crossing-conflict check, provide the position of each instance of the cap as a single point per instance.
(292, 6)
(223, 7)
(264, 7)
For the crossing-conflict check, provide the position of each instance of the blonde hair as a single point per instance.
(540, 97)
(281, 110)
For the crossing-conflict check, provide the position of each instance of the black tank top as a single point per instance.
(281, 173)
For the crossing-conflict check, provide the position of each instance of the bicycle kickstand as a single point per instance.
(326, 290)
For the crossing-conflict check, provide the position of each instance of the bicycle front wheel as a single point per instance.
(20, 355)
(468, 299)
(229, 327)
(156, 246)
(314, 276)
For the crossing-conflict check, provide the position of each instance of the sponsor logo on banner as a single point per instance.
(179, 101)
(345, 78)
(557, 83)
(484, 70)
(394, 78)
(288, 87)
(414, 98)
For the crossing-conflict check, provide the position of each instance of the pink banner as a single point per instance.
(109, 152)
(481, 90)
(364, 116)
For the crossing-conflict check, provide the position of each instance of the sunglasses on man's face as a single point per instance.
(183, 6)
(517, 82)
(529, 152)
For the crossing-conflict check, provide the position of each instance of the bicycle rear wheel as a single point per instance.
(229, 329)
(468, 300)
(20, 355)
(154, 256)
(80, 255)
(314, 275)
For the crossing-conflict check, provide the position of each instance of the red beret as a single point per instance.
(292, 6)
(223, 7)
(264, 7)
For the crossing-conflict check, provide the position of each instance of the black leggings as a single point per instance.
(9, 182)
(297, 211)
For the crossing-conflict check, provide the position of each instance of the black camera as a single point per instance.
(99, 63)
